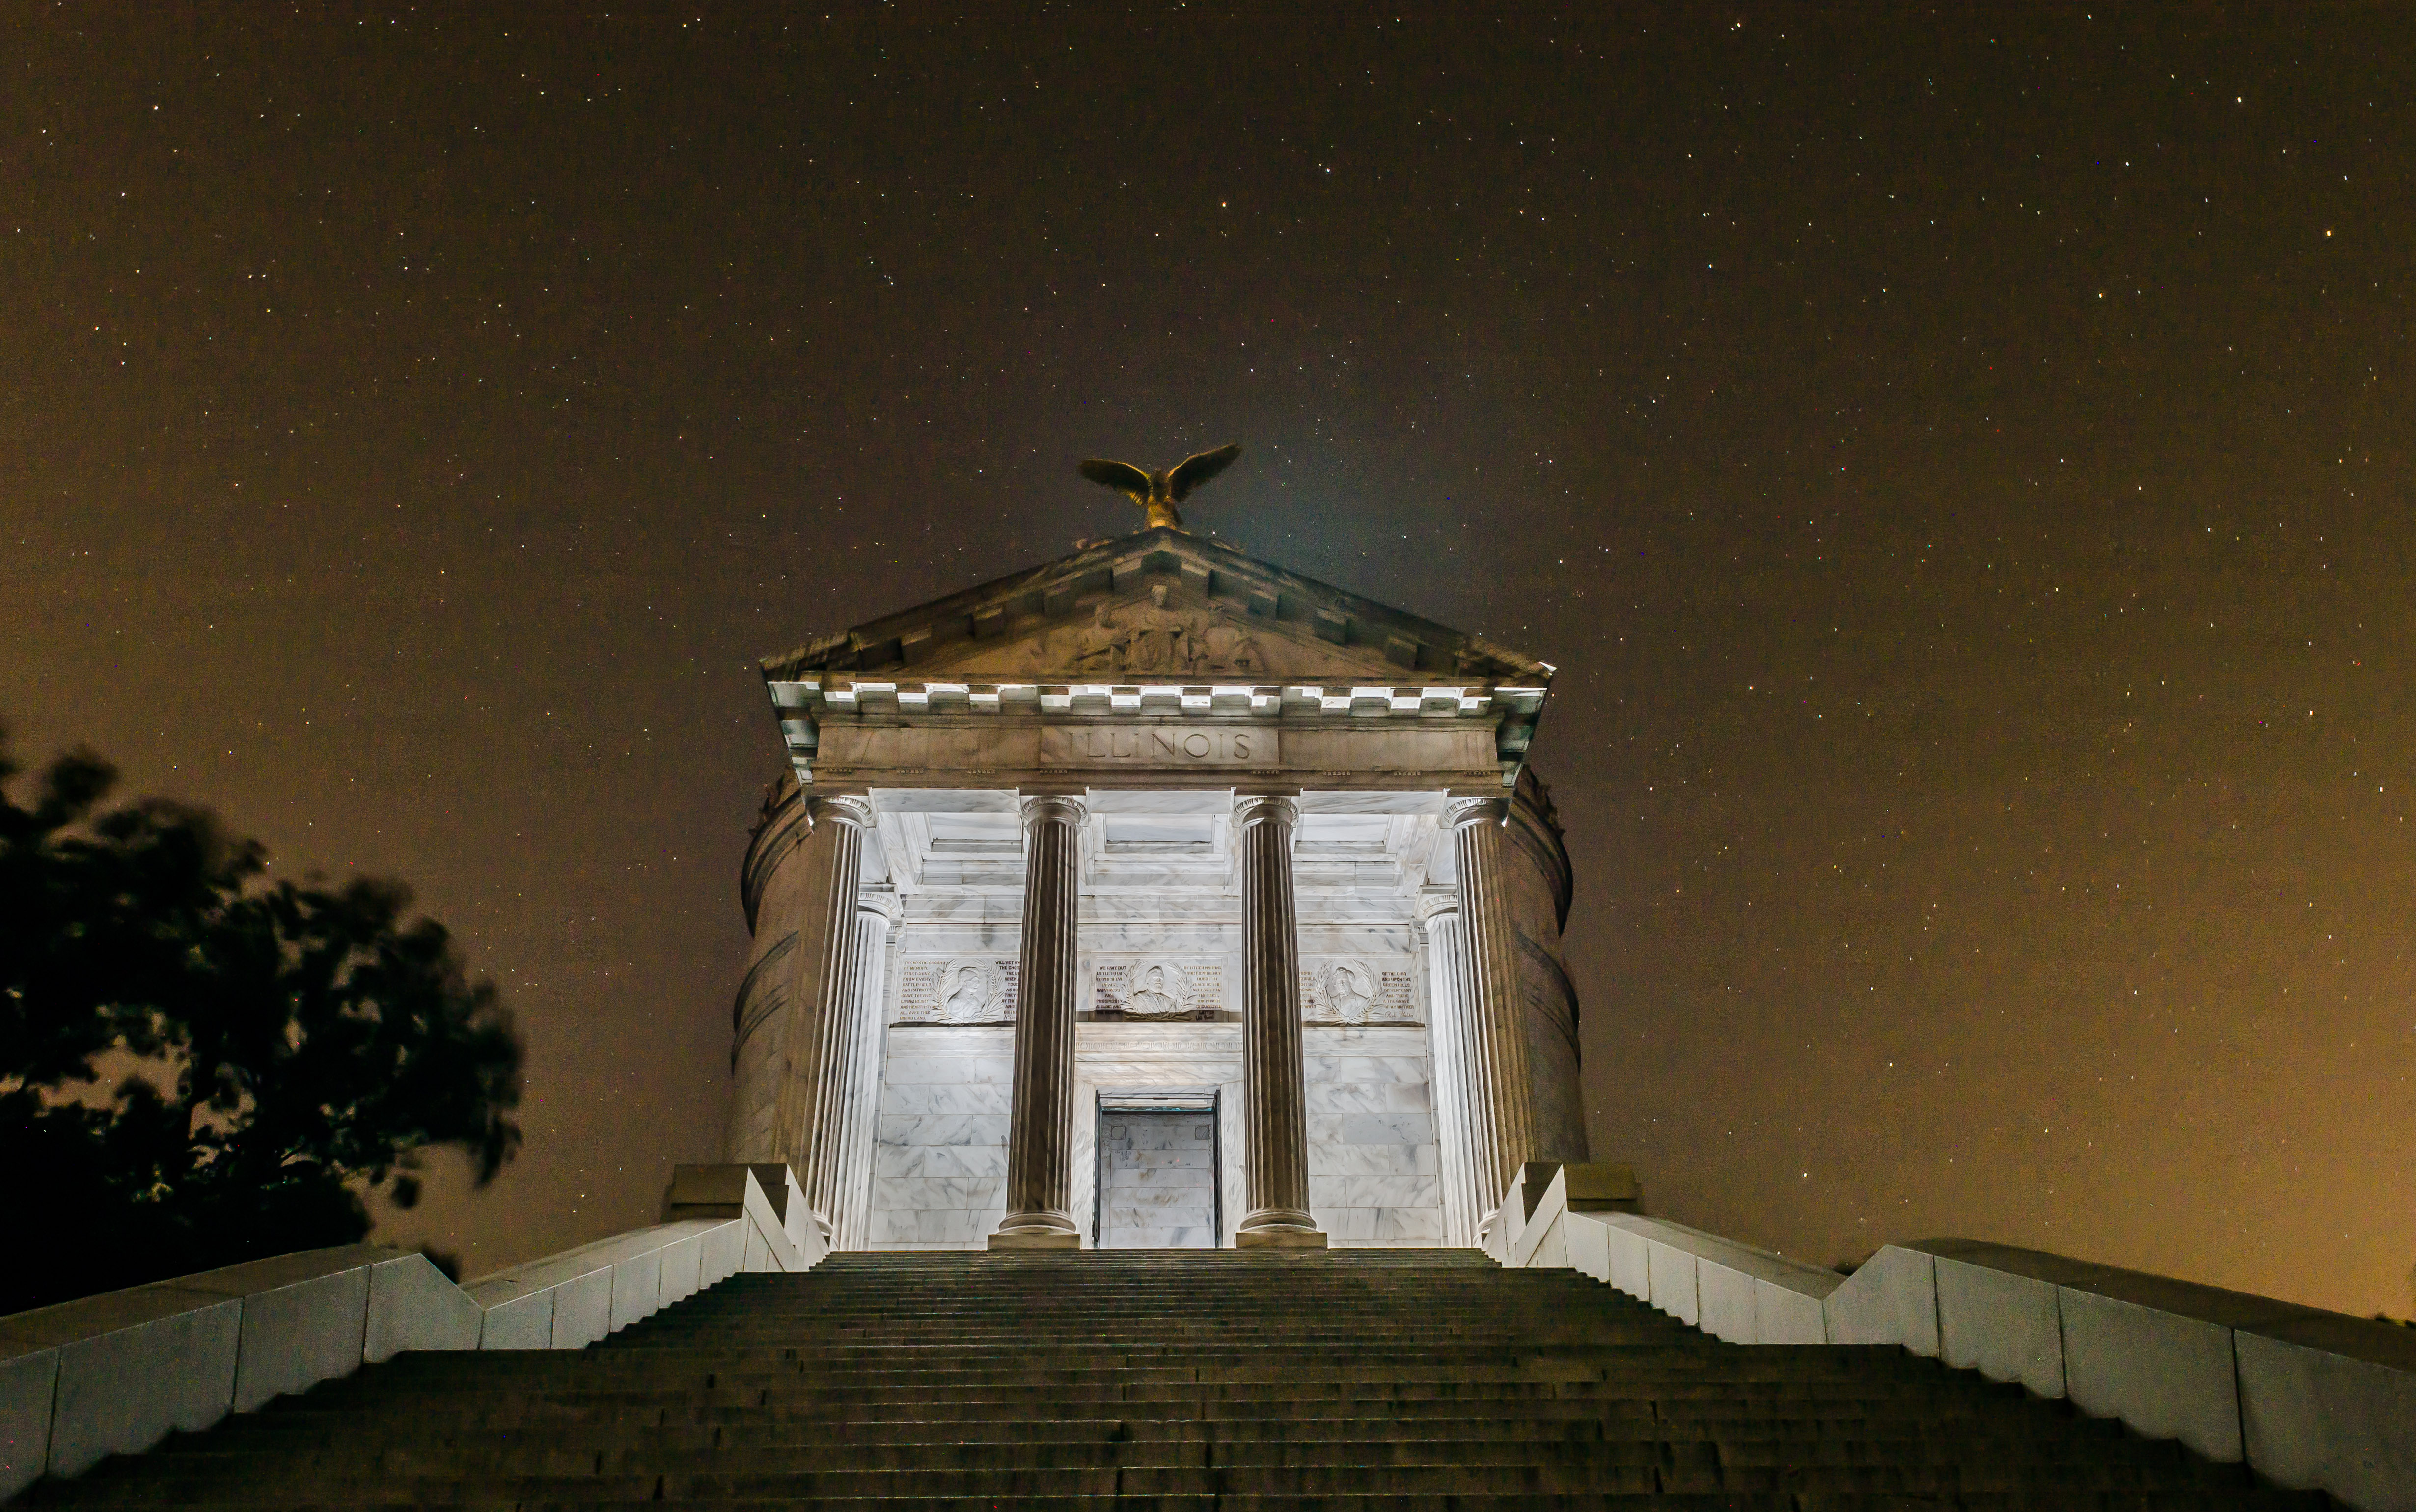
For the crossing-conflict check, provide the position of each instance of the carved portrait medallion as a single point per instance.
(969, 990)
(1157, 988)
(1346, 989)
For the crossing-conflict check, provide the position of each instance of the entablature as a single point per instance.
(836, 728)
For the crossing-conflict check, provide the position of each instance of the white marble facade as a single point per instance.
(1161, 957)
(938, 1169)
(1161, 935)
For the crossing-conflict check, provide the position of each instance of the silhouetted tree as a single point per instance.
(200, 1066)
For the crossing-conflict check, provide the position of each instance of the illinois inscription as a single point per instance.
(1156, 746)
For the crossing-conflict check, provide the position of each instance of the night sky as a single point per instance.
(1960, 458)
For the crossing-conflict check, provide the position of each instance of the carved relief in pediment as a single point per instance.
(1149, 641)
(1155, 638)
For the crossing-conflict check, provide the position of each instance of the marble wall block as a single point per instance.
(1373, 1169)
(1159, 922)
(939, 1159)
(1157, 1184)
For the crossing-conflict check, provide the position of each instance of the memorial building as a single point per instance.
(1156, 896)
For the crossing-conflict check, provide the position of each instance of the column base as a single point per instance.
(1279, 1237)
(1037, 1232)
(1279, 1228)
(1034, 1239)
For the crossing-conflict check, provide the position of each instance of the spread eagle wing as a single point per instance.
(1121, 477)
(1200, 469)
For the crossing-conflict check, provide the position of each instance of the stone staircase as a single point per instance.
(1350, 1379)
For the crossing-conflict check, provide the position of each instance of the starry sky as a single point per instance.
(1960, 458)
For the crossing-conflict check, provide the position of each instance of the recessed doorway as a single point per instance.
(1157, 1165)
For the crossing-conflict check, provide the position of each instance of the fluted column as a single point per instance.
(823, 1014)
(876, 915)
(1447, 1039)
(1493, 1047)
(1040, 1125)
(1275, 1116)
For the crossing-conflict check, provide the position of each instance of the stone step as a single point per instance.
(660, 1354)
(1709, 1407)
(2054, 1459)
(1820, 1440)
(695, 1366)
(1124, 1304)
(1417, 1259)
(1151, 1398)
(1528, 1479)
(2184, 1499)
(1334, 1326)
(1233, 1377)
(1406, 1317)
(1661, 1416)
(1382, 1312)
(2192, 1501)
(826, 1376)
(1332, 1323)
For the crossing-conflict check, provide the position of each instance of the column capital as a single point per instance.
(882, 900)
(1265, 809)
(1433, 903)
(1459, 813)
(846, 808)
(1061, 808)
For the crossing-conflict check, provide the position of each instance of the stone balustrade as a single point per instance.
(2310, 1399)
(116, 1373)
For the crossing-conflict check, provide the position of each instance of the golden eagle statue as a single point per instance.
(1159, 492)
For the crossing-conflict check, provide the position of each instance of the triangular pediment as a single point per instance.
(1160, 605)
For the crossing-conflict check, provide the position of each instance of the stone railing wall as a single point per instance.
(116, 1373)
(2309, 1399)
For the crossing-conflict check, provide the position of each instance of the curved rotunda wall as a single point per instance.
(1542, 886)
(772, 885)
